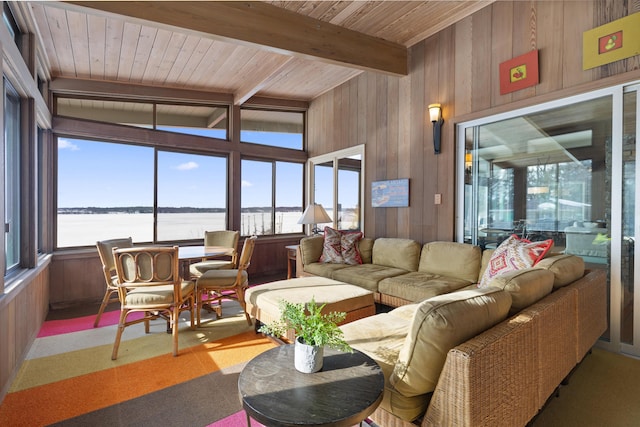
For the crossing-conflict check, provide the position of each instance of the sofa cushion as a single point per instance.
(451, 259)
(418, 286)
(525, 286)
(341, 247)
(311, 249)
(441, 323)
(396, 253)
(514, 254)
(565, 268)
(323, 269)
(381, 337)
(365, 247)
(365, 275)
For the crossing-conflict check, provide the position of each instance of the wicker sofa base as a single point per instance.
(505, 376)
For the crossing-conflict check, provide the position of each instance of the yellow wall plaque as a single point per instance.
(611, 42)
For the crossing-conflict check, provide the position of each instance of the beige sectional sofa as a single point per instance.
(457, 355)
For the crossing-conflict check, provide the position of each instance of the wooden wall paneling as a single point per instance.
(345, 116)
(22, 312)
(418, 139)
(549, 31)
(481, 65)
(502, 48)
(404, 149)
(578, 17)
(338, 119)
(380, 113)
(352, 115)
(524, 38)
(391, 140)
(360, 117)
(463, 72)
(371, 166)
(431, 160)
(445, 213)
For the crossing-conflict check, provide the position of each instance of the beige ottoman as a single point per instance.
(263, 300)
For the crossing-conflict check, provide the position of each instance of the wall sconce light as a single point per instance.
(435, 114)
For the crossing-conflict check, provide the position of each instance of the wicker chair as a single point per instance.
(149, 281)
(216, 285)
(105, 250)
(224, 238)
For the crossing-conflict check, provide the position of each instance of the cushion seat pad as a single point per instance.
(323, 269)
(263, 301)
(420, 285)
(366, 275)
(162, 295)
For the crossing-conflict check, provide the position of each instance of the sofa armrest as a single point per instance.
(311, 249)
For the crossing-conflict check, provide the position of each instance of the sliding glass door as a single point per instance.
(565, 171)
(336, 182)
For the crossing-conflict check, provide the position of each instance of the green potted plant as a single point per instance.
(313, 331)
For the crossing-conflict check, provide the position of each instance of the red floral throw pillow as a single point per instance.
(341, 247)
(514, 254)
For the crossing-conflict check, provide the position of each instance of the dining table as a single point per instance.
(190, 254)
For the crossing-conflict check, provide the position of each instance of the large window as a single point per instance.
(202, 120)
(106, 190)
(192, 195)
(271, 197)
(274, 128)
(12, 183)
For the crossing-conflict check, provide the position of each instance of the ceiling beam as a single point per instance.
(269, 27)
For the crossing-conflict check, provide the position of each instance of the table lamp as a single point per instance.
(314, 214)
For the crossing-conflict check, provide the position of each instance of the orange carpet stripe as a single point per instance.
(46, 404)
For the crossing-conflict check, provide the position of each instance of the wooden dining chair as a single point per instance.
(226, 239)
(215, 285)
(148, 281)
(105, 250)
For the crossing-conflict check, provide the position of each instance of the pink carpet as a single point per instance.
(55, 327)
(239, 419)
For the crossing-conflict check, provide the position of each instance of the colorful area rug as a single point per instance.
(69, 378)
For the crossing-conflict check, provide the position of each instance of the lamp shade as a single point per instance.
(314, 214)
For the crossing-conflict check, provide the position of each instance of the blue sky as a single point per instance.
(116, 175)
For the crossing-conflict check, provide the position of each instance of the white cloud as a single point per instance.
(246, 183)
(187, 166)
(65, 144)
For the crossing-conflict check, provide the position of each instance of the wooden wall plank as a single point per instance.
(417, 140)
(445, 212)
(502, 47)
(550, 18)
(524, 38)
(463, 75)
(481, 60)
(578, 17)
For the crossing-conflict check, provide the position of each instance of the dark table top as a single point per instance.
(347, 389)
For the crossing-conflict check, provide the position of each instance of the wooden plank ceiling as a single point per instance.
(294, 50)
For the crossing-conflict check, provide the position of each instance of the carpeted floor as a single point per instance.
(603, 391)
(69, 378)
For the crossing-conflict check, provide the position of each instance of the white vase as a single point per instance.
(307, 358)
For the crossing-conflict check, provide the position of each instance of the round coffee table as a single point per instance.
(347, 389)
